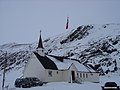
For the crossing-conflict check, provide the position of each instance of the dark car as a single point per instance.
(22, 82)
(18, 82)
(28, 82)
(110, 86)
(35, 81)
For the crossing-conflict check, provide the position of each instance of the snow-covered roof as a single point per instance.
(79, 66)
(60, 65)
(67, 63)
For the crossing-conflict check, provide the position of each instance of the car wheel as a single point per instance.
(41, 84)
(23, 86)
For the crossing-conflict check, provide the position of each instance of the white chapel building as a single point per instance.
(50, 68)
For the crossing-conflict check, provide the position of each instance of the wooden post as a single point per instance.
(5, 65)
(71, 77)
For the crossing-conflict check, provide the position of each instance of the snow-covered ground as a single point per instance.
(66, 86)
(10, 78)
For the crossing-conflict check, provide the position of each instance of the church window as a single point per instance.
(83, 75)
(86, 75)
(80, 75)
(50, 73)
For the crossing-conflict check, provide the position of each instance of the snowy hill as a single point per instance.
(95, 45)
(15, 54)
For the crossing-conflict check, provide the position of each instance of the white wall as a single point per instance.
(56, 76)
(93, 77)
(86, 76)
(34, 69)
(60, 75)
(72, 68)
(40, 51)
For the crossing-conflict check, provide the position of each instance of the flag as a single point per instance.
(67, 22)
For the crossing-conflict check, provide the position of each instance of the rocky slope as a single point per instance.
(95, 45)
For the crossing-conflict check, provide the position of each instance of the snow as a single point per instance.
(80, 67)
(63, 66)
(13, 47)
(98, 32)
(60, 65)
(95, 34)
(67, 63)
(110, 78)
(68, 86)
(10, 79)
(72, 86)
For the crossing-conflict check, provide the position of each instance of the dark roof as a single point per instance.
(46, 62)
(40, 44)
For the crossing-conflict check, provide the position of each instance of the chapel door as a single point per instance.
(73, 75)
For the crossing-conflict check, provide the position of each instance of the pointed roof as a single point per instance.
(46, 62)
(40, 44)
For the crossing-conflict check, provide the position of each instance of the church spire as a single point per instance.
(40, 44)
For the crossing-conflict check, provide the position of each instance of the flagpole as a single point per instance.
(68, 50)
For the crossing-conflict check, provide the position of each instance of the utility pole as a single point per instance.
(4, 70)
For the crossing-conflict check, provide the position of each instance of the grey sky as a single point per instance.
(21, 20)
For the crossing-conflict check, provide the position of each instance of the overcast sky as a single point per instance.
(21, 20)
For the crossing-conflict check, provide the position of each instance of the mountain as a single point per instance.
(15, 54)
(96, 46)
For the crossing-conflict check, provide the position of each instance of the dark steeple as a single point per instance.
(40, 44)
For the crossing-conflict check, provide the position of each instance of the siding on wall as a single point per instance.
(57, 76)
(34, 69)
(94, 77)
(86, 76)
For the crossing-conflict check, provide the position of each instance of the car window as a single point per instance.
(110, 84)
